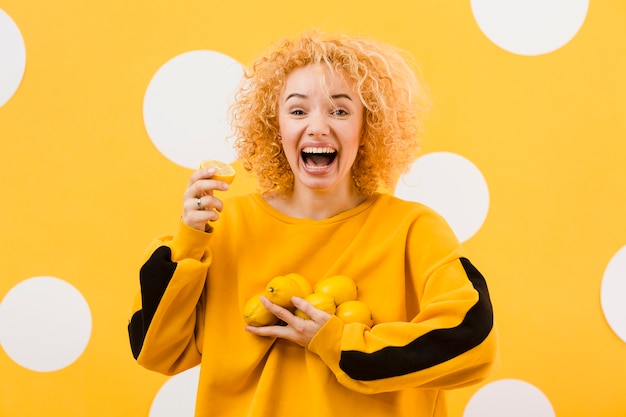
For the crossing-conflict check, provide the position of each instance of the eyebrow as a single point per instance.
(333, 97)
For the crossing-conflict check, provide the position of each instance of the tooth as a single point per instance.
(312, 149)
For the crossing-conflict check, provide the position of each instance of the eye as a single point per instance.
(297, 112)
(339, 113)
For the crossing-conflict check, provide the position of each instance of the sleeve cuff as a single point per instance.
(327, 342)
(189, 242)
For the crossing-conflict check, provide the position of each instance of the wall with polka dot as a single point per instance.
(105, 108)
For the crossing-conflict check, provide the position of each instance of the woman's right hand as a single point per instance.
(199, 204)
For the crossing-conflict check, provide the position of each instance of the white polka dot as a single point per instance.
(45, 324)
(12, 57)
(452, 186)
(509, 398)
(613, 293)
(177, 397)
(186, 104)
(530, 27)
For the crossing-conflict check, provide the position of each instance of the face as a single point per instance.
(320, 126)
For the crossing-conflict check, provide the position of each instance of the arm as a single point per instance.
(449, 342)
(165, 328)
(166, 324)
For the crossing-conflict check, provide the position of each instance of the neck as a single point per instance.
(314, 204)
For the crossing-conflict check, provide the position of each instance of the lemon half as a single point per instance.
(223, 171)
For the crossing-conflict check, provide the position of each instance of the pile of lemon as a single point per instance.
(335, 295)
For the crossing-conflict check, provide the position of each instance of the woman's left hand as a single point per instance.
(297, 329)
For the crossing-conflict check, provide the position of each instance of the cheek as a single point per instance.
(281, 127)
(286, 128)
(357, 137)
(288, 143)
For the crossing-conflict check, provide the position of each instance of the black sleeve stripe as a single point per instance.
(136, 333)
(154, 277)
(433, 348)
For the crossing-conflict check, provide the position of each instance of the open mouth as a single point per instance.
(318, 157)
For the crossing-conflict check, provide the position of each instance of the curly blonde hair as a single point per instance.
(386, 80)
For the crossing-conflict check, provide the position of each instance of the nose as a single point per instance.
(318, 125)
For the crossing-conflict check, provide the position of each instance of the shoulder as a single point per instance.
(416, 216)
(397, 205)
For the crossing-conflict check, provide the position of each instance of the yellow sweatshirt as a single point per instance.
(433, 326)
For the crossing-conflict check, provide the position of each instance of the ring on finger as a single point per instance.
(199, 203)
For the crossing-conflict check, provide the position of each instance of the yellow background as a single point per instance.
(84, 189)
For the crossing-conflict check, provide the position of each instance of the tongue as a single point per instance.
(319, 159)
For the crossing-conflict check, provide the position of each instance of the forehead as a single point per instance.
(314, 77)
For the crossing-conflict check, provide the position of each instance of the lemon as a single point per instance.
(223, 171)
(304, 283)
(320, 301)
(355, 311)
(256, 314)
(340, 287)
(280, 289)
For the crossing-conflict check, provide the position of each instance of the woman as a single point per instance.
(323, 122)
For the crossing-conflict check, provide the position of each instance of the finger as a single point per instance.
(198, 211)
(206, 173)
(204, 187)
(268, 331)
(207, 208)
(207, 202)
(209, 173)
(201, 183)
(297, 329)
(283, 332)
(280, 312)
(315, 314)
